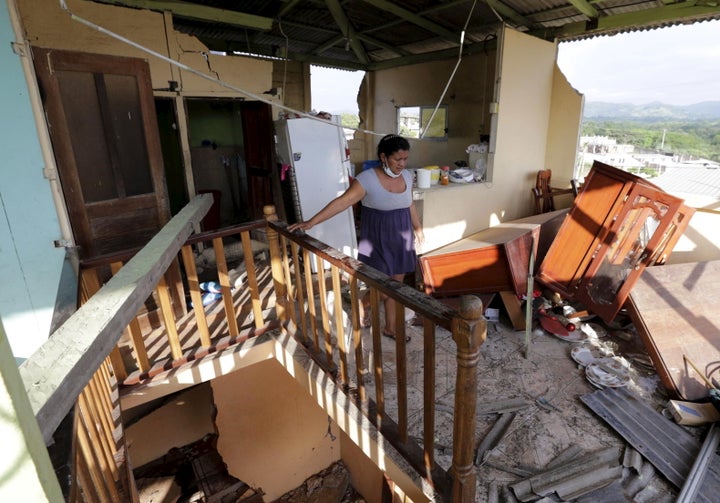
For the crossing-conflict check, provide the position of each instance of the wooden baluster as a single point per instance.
(252, 279)
(227, 297)
(102, 418)
(286, 274)
(377, 354)
(103, 475)
(300, 291)
(312, 308)
(276, 266)
(339, 324)
(91, 282)
(195, 295)
(429, 394)
(468, 333)
(135, 333)
(401, 370)
(357, 339)
(167, 313)
(322, 293)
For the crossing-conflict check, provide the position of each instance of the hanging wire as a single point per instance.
(285, 59)
(205, 76)
(452, 75)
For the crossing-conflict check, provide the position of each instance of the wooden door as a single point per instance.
(103, 127)
(635, 236)
(257, 140)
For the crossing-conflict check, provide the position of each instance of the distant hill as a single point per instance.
(651, 112)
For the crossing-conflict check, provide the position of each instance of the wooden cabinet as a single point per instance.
(619, 224)
(492, 260)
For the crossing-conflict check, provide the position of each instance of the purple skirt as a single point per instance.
(387, 240)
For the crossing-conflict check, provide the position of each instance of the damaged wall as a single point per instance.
(48, 25)
(532, 127)
(271, 435)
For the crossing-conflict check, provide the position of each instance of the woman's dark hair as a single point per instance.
(391, 143)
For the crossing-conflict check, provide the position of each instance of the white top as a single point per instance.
(378, 197)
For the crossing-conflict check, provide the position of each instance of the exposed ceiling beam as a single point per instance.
(200, 12)
(441, 55)
(508, 13)
(585, 7)
(415, 19)
(346, 28)
(677, 12)
(373, 41)
(289, 4)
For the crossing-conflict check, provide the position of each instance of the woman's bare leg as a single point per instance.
(390, 309)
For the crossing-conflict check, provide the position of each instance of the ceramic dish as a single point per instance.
(584, 353)
(607, 372)
(593, 330)
(574, 336)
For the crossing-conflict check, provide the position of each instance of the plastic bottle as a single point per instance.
(444, 175)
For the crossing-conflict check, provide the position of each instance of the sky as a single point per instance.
(679, 65)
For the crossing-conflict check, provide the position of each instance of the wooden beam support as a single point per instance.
(416, 20)
(200, 12)
(677, 12)
(585, 7)
(56, 373)
(347, 30)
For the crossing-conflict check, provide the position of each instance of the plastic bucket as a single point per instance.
(423, 178)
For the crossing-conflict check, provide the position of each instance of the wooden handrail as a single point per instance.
(55, 374)
(303, 309)
(468, 329)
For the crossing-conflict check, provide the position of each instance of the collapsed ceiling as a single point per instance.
(377, 34)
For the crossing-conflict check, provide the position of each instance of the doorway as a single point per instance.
(232, 157)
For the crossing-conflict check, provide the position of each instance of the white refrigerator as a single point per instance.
(317, 154)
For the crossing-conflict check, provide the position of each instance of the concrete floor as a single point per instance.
(537, 434)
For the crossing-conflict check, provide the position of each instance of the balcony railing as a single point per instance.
(145, 301)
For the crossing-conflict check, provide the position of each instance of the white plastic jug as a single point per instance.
(423, 178)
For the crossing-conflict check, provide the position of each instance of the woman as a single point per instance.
(389, 223)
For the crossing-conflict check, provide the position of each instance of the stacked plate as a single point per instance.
(602, 372)
(607, 373)
(584, 353)
(594, 330)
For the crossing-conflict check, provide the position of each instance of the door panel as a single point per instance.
(103, 127)
(257, 138)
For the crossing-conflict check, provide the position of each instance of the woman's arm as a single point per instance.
(417, 227)
(352, 195)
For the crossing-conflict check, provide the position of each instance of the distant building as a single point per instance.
(698, 185)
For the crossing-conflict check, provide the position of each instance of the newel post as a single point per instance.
(276, 265)
(469, 333)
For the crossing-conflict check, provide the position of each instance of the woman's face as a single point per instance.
(396, 161)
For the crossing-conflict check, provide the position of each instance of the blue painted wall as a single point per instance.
(30, 265)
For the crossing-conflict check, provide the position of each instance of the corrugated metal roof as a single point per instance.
(700, 181)
(357, 34)
(670, 448)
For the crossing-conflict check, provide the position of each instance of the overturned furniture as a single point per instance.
(492, 260)
(619, 225)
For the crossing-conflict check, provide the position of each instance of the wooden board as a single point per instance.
(675, 309)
